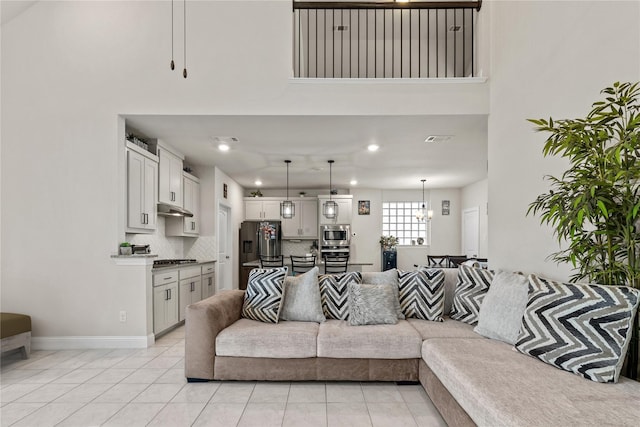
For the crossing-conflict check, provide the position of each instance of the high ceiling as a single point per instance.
(264, 142)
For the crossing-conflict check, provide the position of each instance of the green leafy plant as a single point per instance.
(594, 207)
(125, 244)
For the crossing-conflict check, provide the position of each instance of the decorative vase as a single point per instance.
(125, 250)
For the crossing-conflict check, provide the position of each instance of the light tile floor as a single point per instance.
(147, 387)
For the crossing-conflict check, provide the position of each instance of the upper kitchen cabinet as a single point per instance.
(345, 209)
(261, 209)
(170, 176)
(187, 226)
(142, 189)
(304, 225)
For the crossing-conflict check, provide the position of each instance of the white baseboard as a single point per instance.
(91, 342)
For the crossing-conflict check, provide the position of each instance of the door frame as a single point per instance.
(463, 230)
(230, 238)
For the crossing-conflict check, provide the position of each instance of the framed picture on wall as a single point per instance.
(224, 190)
(364, 207)
(445, 207)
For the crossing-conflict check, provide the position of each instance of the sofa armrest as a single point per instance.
(204, 321)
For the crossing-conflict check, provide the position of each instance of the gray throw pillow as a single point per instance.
(371, 305)
(390, 278)
(503, 307)
(302, 298)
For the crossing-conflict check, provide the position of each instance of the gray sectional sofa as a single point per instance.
(472, 380)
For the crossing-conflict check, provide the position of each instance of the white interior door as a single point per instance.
(224, 278)
(471, 232)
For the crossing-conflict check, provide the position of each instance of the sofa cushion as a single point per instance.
(578, 327)
(263, 298)
(473, 284)
(503, 307)
(250, 338)
(302, 298)
(334, 294)
(497, 386)
(371, 305)
(337, 339)
(390, 278)
(446, 329)
(422, 293)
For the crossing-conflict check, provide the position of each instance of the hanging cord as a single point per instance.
(330, 182)
(173, 64)
(184, 72)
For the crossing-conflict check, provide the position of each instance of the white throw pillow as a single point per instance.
(503, 307)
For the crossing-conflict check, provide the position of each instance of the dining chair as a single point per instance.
(438, 261)
(336, 264)
(302, 264)
(267, 261)
(456, 260)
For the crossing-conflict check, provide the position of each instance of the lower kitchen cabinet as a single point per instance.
(165, 306)
(208, 285)
(190, 292)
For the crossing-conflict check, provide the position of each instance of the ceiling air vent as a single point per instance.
(438, 138)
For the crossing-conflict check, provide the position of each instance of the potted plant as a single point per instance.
(125, 248)
(594, 206)
(388, 243)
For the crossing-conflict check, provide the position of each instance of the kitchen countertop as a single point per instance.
(191, 264)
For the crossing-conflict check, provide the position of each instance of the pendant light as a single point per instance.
(172, 65)
(287, 208)
(330, 208)
(422, 212)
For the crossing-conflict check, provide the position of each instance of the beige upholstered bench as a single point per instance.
(15, 331)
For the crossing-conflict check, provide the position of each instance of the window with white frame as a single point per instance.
(399, 220)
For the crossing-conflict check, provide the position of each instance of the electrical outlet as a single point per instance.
(123, 316)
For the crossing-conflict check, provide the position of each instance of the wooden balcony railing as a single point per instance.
(427, 39)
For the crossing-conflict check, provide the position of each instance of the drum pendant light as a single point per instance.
(287, 208)
(422, 212)
(330, 208)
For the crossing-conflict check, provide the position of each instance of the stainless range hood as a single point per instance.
(168, 210)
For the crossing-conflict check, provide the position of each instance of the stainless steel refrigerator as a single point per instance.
(259, 238)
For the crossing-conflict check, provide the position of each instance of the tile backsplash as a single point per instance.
(201, 248)
(299, 248)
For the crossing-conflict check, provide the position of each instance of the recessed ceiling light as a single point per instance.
(223, 147)
(353, 182)
(373, 147)
(258, 182)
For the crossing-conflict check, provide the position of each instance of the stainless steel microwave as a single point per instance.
(335, 235)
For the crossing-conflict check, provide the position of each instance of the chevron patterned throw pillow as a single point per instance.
(580, 328)
(422, 293)
(264, 294)
(334, 293)
(473, 284)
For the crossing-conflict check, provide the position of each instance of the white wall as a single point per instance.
(445, 230)
(548, 59)
(476, 196)
(71, 69)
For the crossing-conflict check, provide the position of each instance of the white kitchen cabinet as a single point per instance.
(304, 225)
(170, 178)
(190, 288)
(208, 280)
(345, 209)
(187, 226)
(142, 190)
(257, 210)
(165, 301)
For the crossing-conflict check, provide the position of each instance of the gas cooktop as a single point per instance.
(165, 262)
